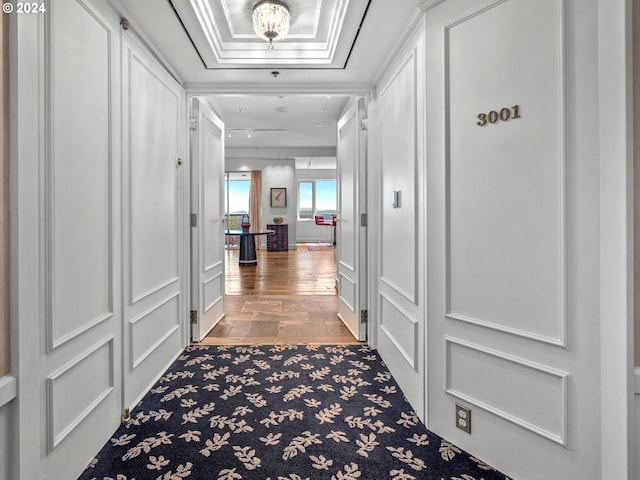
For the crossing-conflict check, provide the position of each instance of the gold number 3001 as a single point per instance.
(493, 116)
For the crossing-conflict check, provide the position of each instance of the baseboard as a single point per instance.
(314, 240)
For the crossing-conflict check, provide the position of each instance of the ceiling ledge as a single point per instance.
(290, 89)
(279, 152)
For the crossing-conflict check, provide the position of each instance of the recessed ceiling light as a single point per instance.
(240, 110)
(280, 96)
(324, 110)
(281, 109)
(318, 125)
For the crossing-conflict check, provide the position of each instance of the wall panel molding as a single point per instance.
(548, 398)
(349, 267)
(147, 276)
(74, 256)
(8, 389)
(398, 98)
(209, 304)
(155, 289)
(213, 266)
(389, 284)
(412, 333)
(543, 293)
(347, 292)
(137, 360)
(58, 396)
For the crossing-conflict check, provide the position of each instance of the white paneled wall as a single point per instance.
(88, 193)
(154, 219)
(401, 277)
(513, 226)
(79, 224)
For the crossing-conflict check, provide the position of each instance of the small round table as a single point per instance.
(248, 245)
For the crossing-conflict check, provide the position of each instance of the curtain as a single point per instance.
(255, 201)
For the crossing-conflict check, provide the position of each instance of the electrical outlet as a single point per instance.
(463, 418)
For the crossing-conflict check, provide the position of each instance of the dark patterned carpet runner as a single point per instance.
(279, 413)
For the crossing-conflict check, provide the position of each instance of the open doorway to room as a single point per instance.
(290, 294)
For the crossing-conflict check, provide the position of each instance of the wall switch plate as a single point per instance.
(463, 418)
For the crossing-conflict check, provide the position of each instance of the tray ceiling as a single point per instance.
(321, 35)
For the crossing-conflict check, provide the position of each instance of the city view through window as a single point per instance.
(315, 197)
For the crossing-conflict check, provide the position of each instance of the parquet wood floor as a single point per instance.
(296, 272)
(289, 297)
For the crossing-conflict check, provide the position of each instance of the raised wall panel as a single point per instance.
(348, 291)
(398, 236)
(212, 148)
(211, 290)
(153, 155)
(153, 219)
(79, 176)
(94, 371)
(505, 180)
(519, 391)
(152, 328)
(400, 328)
(348, 146)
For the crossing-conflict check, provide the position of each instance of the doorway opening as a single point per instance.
(288, 295)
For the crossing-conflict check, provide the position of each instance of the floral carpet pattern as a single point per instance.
(291, 412)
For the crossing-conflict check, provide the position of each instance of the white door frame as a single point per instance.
(372, 194)
(350, 315)
(25, 164)
(201, 110)
(616, 239)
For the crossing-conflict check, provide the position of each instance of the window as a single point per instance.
(236, 197)
(316, 197)
(305, 200)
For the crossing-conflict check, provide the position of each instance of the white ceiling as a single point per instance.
(265, 121)
(334, 47)
(320, 35)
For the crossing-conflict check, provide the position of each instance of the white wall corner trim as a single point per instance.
(429, 4)
(616, 238)
(146, 41)
(8, 389)
(413, 30)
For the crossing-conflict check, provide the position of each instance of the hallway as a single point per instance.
(289, 298)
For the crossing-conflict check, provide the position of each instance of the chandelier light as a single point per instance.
(271, 20)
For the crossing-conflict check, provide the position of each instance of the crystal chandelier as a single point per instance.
(271, 20)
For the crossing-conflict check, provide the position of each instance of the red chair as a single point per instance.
(320, 220)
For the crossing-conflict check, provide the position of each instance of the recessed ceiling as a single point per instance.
(321, 34)
(334, 44)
